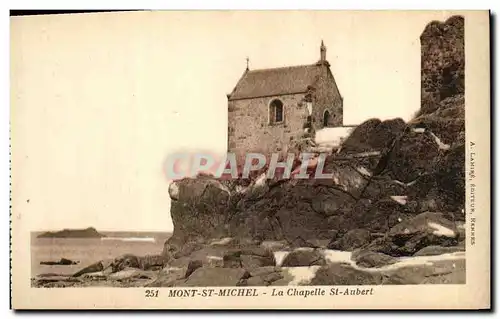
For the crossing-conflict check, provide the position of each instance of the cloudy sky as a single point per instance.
(99, 100)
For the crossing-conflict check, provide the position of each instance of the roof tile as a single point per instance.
(276, 81)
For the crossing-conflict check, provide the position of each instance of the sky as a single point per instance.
(98, 101)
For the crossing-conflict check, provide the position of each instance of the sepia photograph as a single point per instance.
(249, 155)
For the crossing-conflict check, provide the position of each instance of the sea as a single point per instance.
(87, 251)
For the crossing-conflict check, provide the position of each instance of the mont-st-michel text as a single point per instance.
(275, 292)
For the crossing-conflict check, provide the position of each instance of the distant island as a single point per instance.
(90, 232)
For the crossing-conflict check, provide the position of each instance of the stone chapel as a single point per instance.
(269, 108)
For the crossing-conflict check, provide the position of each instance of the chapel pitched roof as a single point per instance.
(276, 81)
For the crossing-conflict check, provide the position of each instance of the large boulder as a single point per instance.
(386, 177)
(341, 274)
(351, 240)
(295, 208)
(438, 250)
(443, 61)
(263, 276)
(169, 278)
(447, 121)
(95, 267)
(370, 259)
(304, 257)
(62, 261)
(413, 154)
(125, 261)
(372, 135)
(439, 272)
(215, 277)
(379, 216)
(248, 258)
(198, 210)
(409, 236)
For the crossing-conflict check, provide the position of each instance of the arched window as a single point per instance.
(276, 112)
(326, 118)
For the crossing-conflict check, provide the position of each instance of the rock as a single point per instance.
(351, 240)
(323, 205)
(256, 251)
(300, 243)
(449, 175)
(446, 122)
(248, 258)
(295, 276)
(433, 223)
(322, 243)
(254, 261)
(169, 277)
(438, 250)
(125, 274)
(441, 189)
(386, 177)
(232, 259)
(216, 277)
(370, 259)
(96, 267)
(340, 274)
(382, 186)
(410, 236)
(441, 272)
(179, 262)
(90, 232)
(358, 140)
(62, 261)
(173, 191)
(379, 216)
(262, 271)
(302, 257)
(125, 261)
(443, 61)
(51, 274)
(255, 281)
(185, 249)
(192, 266)
(413, 154)
(373, 134)
(263, 276)
(151, 262)
(272, 277)
(210, 255)
(42, 281)
(198, 208)
(222, 241)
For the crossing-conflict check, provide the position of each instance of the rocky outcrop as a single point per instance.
(340, 274)
(438, 250)
(62, 261)
(442, 62)
(210, 277)
(304, 257)
(371, 259)
(388, 179)
(408, 237)
(353, 239)
(73, 233)
(373, 134)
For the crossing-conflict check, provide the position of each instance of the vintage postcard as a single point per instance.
(251, 160)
